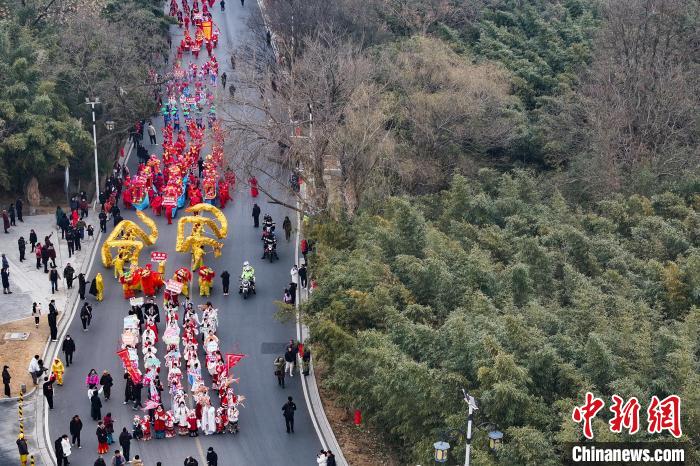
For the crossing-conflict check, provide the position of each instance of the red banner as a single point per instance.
(232, 360)
(129, 365)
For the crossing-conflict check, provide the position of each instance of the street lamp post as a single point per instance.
(472, 407)
(92, 104)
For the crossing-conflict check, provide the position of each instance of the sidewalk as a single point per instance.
(29, 284)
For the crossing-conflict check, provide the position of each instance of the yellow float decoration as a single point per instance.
(196, 241)
(130, 238)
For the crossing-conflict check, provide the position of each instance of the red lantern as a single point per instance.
(358, 417)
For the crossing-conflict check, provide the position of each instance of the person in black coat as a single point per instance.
(69, 274)
(5, 277)
(189, 461)
(99, 461)
(212, 457)
(52, 319)
(103, 221)
(75, 426)
(69, 241)
(45, 258)
(54, 277)
(256, 215)
(81, 285)
(18, 208)
(128, 388)
(68, 349)
(47, 390)
(125, 442)
(225, 279)
(22, 245)
(136, 395)
(6, 380)
(33, 239)
(288, 412)
(96, 406)
(58, 450)
(106, 381)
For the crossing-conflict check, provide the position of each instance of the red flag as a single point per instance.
(232, 360)
(301, 349)
(129, 365)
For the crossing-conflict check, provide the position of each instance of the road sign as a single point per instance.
(158, 256)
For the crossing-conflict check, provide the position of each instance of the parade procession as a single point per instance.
(152, 317)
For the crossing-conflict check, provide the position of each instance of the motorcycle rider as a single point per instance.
(268, 224)
(269, 239)
(248, 273)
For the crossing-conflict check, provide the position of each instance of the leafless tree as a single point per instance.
(643, 89)
(302, 117)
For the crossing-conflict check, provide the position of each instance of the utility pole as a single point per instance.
(472, 407)
(92, 104)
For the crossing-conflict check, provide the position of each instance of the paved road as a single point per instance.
(246, 326)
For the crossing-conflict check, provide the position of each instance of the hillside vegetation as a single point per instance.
(499, 287)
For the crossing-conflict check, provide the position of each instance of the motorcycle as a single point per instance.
(247, 287)
(271, 251)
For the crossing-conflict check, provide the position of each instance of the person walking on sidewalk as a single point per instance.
(125, 442)
(54, 277)
(5, 262)
(68, 349)
(37, 254)
(53, 318)
(106, 382)
(288, 412)
(69, 242)
(68, 274)
(45, 257)
(47, 390)
(75, 426)
(86, 315)
(23, 450)
(36, 313)
(302, 275)
(5, 221)
(22, 245)
(33, 239)
(256, 215)
(6, 380)
(5, 276)
(18, 207)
